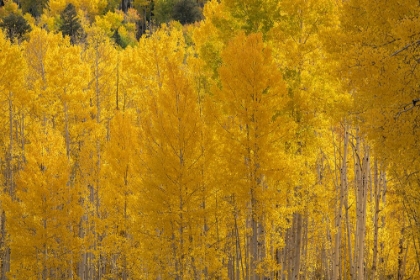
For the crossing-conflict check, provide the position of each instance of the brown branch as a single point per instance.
(404, 48)
(408, 107)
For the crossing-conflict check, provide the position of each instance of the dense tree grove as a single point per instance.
(175, 139)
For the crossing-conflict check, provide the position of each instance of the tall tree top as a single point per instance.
(71, 25)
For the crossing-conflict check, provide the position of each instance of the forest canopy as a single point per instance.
(192, 139)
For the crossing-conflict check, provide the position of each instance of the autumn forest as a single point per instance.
(229, 139)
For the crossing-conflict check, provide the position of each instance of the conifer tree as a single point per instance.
(70, 25)
(186, 11)
(35, 8)
(15, 26)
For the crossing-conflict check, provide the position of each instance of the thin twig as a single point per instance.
(408, 107)
(403, 49)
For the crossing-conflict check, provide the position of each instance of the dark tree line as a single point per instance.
(16, 26)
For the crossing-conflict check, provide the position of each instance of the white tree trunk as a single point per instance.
(362, 180)
(336, 273)
(377, 196)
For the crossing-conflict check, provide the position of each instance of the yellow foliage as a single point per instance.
(45, 214)
(233, 148)
(110, 22)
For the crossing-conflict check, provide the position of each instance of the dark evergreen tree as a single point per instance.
(35, 8)
(15, 26)
(70, 24)
(119, 40)
(187, 11)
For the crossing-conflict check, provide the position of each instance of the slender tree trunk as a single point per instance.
(254, 237)
(377, 196)
(66, 129)
(285, 255)
(381, 256)
(324, 271)
(117, 86)
(261, 242)
(44, 252)
(4, 249)
(247, 251)
(175, 253)
(125, 273)
(203, 181)
(401, 254)
(9, 158)
(239, 260)
(349, 232)
(145, 20)
(231, 259)
(336, 273)
(362, 180)
(84, 255)
(125, 4)
(415, 235)
(297, 220)
(97, 87)
(304, 253)
(95, 199)
(290, 251)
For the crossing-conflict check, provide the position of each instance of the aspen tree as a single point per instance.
(11, 94)
(208, 151)
(379, 64)
(300, 53)
(173, 158)
(66, 90)
(254, 128)
(121, 178)
(100, 57)
(208, 257)
(296, 31)
(45, 216)
(336, 261)
(362, 170)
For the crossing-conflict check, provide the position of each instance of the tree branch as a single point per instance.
(404, 48)
(408, 107)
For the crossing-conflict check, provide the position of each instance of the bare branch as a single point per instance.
(403, 49)
(408, 107)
